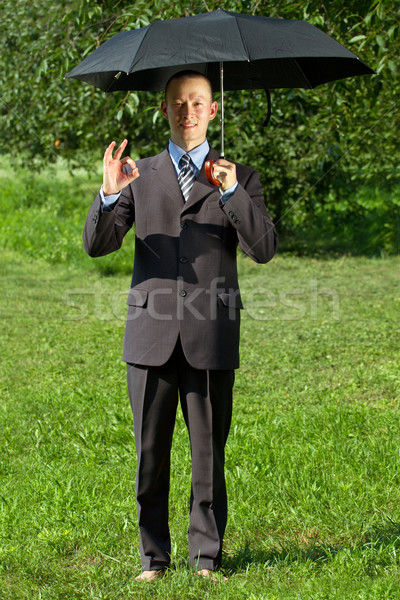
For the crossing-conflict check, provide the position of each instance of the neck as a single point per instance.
(187, 147)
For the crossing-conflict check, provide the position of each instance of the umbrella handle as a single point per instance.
(209, 171)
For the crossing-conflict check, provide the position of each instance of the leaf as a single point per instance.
(156, 115)
(380, 41)
(357, 38)
(381, 10)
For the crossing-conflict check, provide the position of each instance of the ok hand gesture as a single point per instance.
(114, 176)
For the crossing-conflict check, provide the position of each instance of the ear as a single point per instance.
(164, 109)
(213, 110)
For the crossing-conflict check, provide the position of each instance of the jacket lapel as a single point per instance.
(165, 178)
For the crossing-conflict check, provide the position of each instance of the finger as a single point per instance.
(135, 174)
(222, 162)
(108, 152)
(228, 169)
(128, 161)
(120, 149)
(223, 169)
(219, 172)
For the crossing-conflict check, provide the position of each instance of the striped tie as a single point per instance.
(186, 176)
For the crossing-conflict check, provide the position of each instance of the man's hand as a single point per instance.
(225, 172)
(114, 176)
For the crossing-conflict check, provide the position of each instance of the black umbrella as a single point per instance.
(235, 51)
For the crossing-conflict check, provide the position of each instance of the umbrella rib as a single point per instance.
(137, 51)
(242, 38)
(302, 72)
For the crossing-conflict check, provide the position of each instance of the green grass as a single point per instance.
(313, 459)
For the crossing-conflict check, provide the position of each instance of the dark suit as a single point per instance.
(184, 307)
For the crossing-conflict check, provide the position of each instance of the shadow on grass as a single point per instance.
(287, 552)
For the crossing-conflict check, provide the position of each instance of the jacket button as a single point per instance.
(183, 293)
(184, 225)
(183, 260)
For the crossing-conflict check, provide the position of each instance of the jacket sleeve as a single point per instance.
(247, 213)
(104, 232)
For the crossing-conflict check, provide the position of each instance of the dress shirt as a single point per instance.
(197, 158)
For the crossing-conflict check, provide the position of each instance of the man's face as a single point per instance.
(189, 109)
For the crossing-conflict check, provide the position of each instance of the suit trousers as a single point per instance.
(206, 402)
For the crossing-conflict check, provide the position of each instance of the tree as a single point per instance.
(320, 148)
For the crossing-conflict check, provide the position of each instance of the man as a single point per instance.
(182, 332)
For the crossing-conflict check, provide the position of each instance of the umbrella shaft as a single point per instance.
(221, 75)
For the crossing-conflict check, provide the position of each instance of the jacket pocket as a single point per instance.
(231, 300)
(137, 297)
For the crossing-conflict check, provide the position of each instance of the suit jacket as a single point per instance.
(185, 275)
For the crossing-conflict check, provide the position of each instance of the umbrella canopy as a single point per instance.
(234, 51)
(257, 52)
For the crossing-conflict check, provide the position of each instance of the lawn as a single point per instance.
(313, 458)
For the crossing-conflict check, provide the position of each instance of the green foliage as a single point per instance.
(44, 214)
(322, 148)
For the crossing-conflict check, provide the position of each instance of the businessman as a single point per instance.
(182, 331)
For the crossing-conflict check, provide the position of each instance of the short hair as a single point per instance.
(187, 74)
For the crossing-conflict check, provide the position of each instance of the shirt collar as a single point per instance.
(197, 155)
